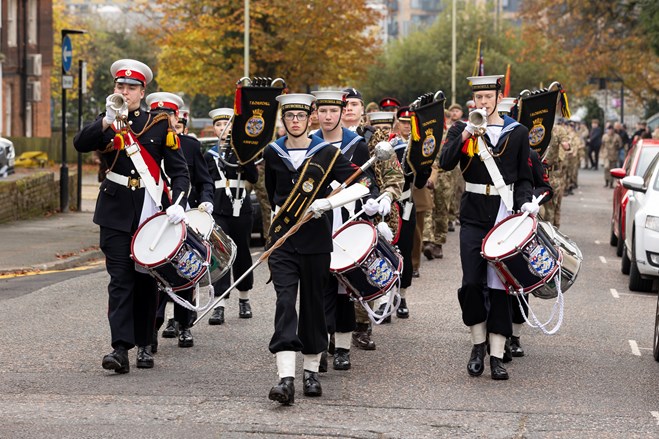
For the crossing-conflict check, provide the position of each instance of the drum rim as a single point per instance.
(184, 235)
(514, 250)
(374, 241)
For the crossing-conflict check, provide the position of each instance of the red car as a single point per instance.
(637, 161)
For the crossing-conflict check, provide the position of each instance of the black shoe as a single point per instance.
(342, 359)
(171, 331)
(284, 392)
(154, 345)
(402, 312)
(117, 360)
(515, 347)
(498, 371)
(507, 355)
(476, 366)
(451, 226)
(217, 318)
(185, 339)
(361, 338)
(144, 357)
(311, 384)
(427, 250)
(415, 273)
(323, 362)
(380, 312)
(437, 251)
(244, 309)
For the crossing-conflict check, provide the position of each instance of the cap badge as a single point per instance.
(128, 73)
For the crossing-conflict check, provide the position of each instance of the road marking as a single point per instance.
(634, 346)
(38, 273)
(614, 293)
(655, 415)
(638, 295)
(597, 241)
(255, 253)
(603, 259)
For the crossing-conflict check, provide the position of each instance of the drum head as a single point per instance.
(201, 222)
(494, 247)
(170, 241)
(352, 243)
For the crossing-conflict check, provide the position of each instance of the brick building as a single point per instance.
(26, 47)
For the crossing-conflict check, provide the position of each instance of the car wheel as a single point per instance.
(625, 263)
(621, 241)
(613, 240)
(636, 282)
(655, 345)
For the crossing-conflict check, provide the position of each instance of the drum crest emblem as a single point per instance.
(429, 144)
(255, 124)
(380, 273)
(537, 132)
(541, 262)
(189, 264)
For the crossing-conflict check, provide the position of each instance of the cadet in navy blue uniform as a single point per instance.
(233, 213)
(126, 199)
(298, 170)
(201, 196)
(482, 206)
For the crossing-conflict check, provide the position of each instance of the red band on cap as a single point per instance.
(133, 74)
(163, 104)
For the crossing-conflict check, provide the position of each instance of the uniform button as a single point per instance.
(132, 171)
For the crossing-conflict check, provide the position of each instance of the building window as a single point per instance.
(12, 23)
(32, 22)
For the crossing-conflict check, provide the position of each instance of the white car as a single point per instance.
(640, 257)
(7, 157)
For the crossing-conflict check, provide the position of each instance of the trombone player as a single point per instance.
(501, 147)
(132, 144)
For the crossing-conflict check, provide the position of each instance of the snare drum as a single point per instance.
(367, 266)
(180, 258)
(527, 261)
(223, 249)
(572, 256)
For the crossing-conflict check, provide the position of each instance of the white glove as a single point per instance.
(384, 206)
(371, 207)
(176, 214)
(110, 114)
(532, 208)
(385, 231)
(319, 207)
(206, 207)
(470, 128)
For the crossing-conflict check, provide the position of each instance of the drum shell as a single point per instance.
(222, 247)
(572, 256)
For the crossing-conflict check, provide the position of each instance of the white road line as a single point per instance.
(603, 259)
(597, 241)
(614, 293)
(655, 415)
(255, 253)
(634, 346)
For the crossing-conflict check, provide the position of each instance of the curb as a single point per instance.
(62, 264)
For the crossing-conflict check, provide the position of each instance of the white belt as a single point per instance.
(405, 195)
(483, 189)
(129, 182)
(233, 184)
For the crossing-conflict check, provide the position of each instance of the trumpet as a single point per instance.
(478, 118)
(118, 103)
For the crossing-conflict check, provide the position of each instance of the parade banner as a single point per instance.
(537, 112)
(427, 131)
(255, 119)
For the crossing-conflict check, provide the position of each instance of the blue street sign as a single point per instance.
(67, 54)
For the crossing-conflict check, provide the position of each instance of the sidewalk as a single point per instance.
(57, 242)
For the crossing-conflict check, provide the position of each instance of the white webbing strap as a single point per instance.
(492, 169)
(133, 151)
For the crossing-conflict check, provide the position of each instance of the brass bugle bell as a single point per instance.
(118, 102)
(478, 118)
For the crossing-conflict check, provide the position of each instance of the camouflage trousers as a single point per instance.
(457, 189)
(551, 211)
(262, 198)
(435, 225)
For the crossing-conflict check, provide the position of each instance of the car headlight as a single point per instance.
(652, 223)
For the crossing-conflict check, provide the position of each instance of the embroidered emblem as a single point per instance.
(255, 124)
(537, 132)
(189, 264)
(429, 144)
(379, 272)
(307, 186)
(541, 262)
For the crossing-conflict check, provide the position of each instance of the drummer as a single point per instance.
(233, 212)
(483, 205)
(201, 196)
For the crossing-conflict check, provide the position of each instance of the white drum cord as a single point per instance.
(187, 305)
(558, 306)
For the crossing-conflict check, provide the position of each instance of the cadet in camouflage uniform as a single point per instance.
(572, 169)
(435, 221)
(555, 160)
(611, 146)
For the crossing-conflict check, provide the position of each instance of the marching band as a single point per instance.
(349, 201)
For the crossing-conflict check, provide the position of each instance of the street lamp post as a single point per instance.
(67, 82)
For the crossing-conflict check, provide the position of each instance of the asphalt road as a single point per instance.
(595, 378)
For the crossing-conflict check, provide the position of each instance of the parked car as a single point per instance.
(637, 161)
(640, 256)
(7, 157)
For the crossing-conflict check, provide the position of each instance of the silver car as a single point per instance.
(7, 157)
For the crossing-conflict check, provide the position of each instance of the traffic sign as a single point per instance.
(67, 54)
(67, 81)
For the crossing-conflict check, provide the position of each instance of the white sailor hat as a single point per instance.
(164, 101)
(377, 117)
(296, 101)
(506, 104)
(220, 114)
(330, 97)
(491, 82)
(183, 114)
(130, 71)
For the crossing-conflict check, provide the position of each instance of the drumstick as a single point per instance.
(520, 221)
(164, 225)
